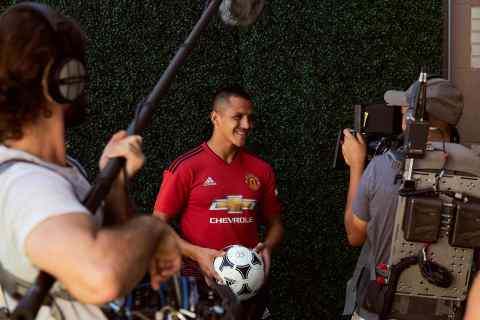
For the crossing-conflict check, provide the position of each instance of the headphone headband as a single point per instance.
(67, 77)
(48, 14)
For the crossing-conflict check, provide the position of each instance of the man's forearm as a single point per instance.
(354, 183)
(188, 250)
(274, 234)
(118, 205)
(131, 246)
(96, 265)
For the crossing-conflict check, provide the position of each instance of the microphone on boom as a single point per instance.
(240, 12)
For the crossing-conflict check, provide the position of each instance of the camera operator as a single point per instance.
(373, 193)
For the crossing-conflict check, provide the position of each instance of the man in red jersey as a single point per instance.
(222, 192)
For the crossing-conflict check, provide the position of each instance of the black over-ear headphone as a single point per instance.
(67, 77)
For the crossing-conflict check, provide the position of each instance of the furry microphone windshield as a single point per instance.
(241, 12)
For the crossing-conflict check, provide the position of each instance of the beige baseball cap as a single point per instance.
(444, 101)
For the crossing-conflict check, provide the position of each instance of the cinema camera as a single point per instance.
(381, 127)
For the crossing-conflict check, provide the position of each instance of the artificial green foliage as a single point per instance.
(305, 62)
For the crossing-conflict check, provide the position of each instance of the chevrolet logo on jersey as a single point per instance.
(233, 204)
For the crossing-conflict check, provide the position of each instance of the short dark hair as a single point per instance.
(27, 45)
(227, 92)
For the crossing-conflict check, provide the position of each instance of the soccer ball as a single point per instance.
(242, 271)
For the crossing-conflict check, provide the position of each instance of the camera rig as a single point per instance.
(436, 223)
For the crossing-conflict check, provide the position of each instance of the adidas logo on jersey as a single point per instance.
(209, 182)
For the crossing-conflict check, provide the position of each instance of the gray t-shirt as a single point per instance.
(375, 203)
(30, 193)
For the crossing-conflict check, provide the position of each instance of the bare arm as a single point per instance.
(473, 304)
(274, 233)
(355, 227)
(273, 237)
(118, 206)
(354, 152)
(96, 266)
(203, 256)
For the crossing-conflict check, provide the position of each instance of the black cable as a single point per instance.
(442, 170)
(395, 272)
(427, 192)
(433, 272)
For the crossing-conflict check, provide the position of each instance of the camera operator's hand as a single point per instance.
(354, 149)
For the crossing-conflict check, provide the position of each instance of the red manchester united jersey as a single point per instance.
(220, 204)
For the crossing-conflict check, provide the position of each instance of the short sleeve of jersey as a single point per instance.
(270, 203)
(34, 195)
(173, 192)
(361, 202)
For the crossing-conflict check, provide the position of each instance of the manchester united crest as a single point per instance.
(252, 182)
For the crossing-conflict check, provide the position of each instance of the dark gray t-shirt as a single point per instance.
(375, 203)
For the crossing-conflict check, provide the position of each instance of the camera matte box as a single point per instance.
(378, 118)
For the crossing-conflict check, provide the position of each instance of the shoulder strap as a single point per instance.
(4, 166)
(77, 165)
(17, 287)
(14, 286)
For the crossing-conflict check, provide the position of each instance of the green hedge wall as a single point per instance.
(305, 62)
